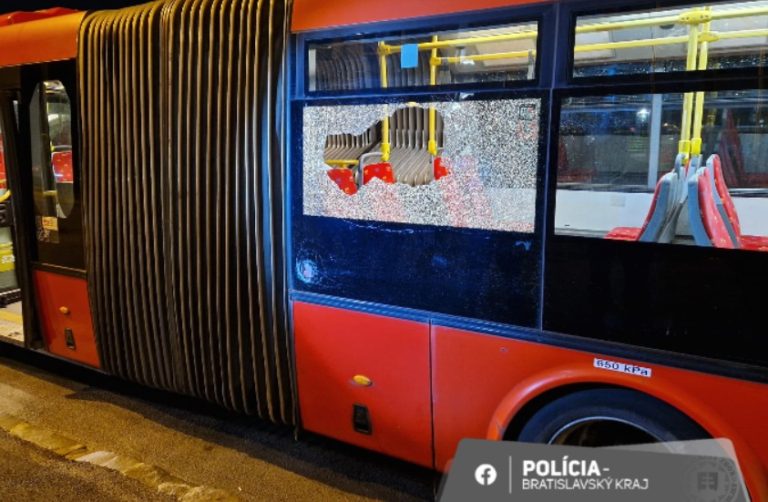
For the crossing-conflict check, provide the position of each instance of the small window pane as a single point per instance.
(51, 137)
(52, 168)
(453, 57)
(620, 176)
(696, 37)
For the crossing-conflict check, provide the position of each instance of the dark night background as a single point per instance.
(14, 5)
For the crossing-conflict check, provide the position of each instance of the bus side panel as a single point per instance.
(333, 346)
(313, 15)
(65, 312)
(480, 381)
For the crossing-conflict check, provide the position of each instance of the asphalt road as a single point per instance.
(194, 441)
(29, 473)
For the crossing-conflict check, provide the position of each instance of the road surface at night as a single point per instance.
(211, 450)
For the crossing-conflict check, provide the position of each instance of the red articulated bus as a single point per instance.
(401, 224)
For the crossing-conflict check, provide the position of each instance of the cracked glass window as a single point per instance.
(468, 164)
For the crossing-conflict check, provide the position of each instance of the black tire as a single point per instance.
(608, 417)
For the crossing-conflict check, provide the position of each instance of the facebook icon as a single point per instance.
(485, 474)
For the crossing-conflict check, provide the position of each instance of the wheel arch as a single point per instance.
(531, 394)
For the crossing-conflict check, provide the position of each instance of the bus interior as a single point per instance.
(684, 168)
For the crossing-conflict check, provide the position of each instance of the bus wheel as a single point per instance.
(608, 417)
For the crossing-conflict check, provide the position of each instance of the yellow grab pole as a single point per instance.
(699, 113)
(386, 148)
(483, 57)
(434, 62)
(730, 35)
(635, 23)
(342, 162)
(690, 17)
(631, 44)
(460, 42)
(732, 13)
(685, 132)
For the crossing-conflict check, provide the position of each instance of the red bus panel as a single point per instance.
(315, 14)
(50, 39)
(65, 312)
(480, 382)
(333, 346)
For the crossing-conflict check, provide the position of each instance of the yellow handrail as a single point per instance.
(732, 13)
(729, 35)
(5, 196)
(690, 17)
(684, 146)
(711, 36)
(630, 44)
(699, 112)
(700, 35)
(633, 23)
(693, 16)
(386, 147)
(342, 162)
(432, 143)
(483, 57)
(460, 42)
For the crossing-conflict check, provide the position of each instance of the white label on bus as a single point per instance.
(631, 369)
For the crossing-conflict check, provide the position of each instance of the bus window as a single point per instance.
(496, 54)
(51, 137)
(473, 166)
(653, 41)
(620, 175)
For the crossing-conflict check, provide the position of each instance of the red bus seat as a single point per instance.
(707, 225)
(62, 166)
(727, 209)
(344, 178)
(410, 160)
(662, 205)
(440, 169)
(382, 170)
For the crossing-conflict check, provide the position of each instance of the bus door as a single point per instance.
(11, 319)
(53, 211)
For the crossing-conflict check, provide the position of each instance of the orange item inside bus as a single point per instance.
(713, 222)
(62, 166)
(634, 233)
(661, 220)
(344, 178)
(382, 170)
(440, 168)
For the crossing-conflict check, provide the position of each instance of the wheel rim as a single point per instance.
(602, 431)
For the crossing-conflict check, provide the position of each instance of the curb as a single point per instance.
(151, 476)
